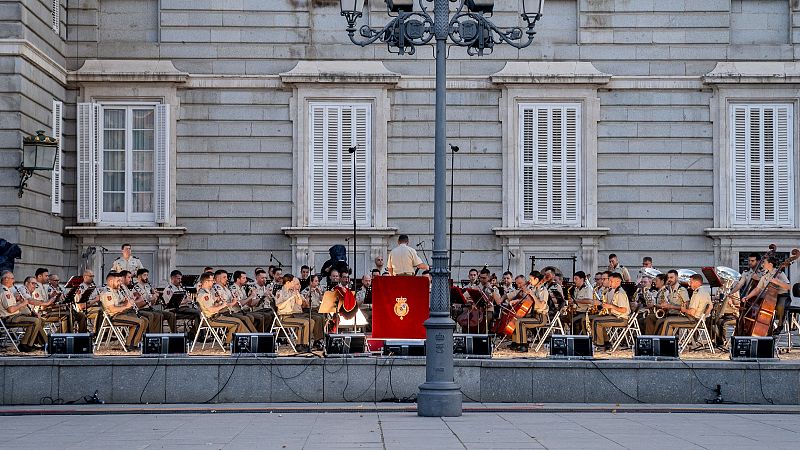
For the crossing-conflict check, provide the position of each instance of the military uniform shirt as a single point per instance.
(700, 300)
(403, 260)
(583, 293)
(132, 265)
(314, 296)
(7, 300)
(205, 300)
(677, 297)
(762, 283)
(620, 299)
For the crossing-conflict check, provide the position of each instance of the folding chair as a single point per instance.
(628, 333)
(13, 338)
(210, 330)
(288, 331)
(554, 324)
(700, 330)
(106, 331)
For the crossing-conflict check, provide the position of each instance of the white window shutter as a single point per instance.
(762, 154)
(550, 145)
(361, 139)
(318, 187)
(56, 16)
(161, 160)
(88, 159)
(56, 179)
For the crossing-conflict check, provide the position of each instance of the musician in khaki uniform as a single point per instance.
(618, 307)
(92, 307)
(149, 295)
(126, 262)
(41, 305)
(184, 311)
(584, 299)
(212, 306)
(537, 316)
(615, 267)
(260, 300)
(403, 260)
(677, 298)
(261, 319)
(290, 308)
(781, 283)
(121, 310)
(223, 294)
(144, 309)
(699, 304)
(15, 312)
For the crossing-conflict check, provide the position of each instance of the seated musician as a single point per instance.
(333, 280)
(53, 287)
(676, 297)
(41, 305)
(507, 285)
(699, 304)
(728, 316)
(473, 279)
(261, 319)
(364, 299)
(212, 308)
(92, 307)
(121, 310)
(223, 294)
(15, 312)
(146, 292)
(782, 286)
(184, 311)
(290, 309)
(313, 295)
(584, 299)
(618, 309)
(126, 288)
(260, 301)
(514, 294)
(554, 287)
(492, 295)
(537, 317)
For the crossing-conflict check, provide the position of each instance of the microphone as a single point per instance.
(352, 149)
(454, 148)
(270, 257)
(512, 254)
(420, 244)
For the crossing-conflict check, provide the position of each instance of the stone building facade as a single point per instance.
(211, 132)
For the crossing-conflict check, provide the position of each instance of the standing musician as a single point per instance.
(149, 295)
(290, 308)
(313, 295)
(782, 286)
(537, 316)
(126, 262)
(212, 307)
(403, 260)
(143, 308)
(184, 311)
(699, 304)
(92, 307)
(15, 313)
(583, 298)
(222, 294)
(260, 301)
(615, 267)
(364, 299)
(121, 310)
(677, 297)
(618, 309)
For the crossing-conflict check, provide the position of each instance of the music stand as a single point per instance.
(175, 300)
(711, 276)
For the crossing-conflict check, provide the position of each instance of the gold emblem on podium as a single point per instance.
(401, 307)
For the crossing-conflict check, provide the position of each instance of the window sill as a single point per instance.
(752, 232)
(338, 231)
(553, 231)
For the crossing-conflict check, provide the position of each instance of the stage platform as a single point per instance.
(225, 379)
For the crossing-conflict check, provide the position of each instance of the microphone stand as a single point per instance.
(352, 151)
(510, 255)
(421, 246)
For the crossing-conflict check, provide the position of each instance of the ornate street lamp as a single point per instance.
(467, 27)
(38, 153)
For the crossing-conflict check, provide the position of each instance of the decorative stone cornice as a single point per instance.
(754, 72)
(25, 49)
(550, 232)
(764, 234)
(339, 231)
(127, 71)
(125, 231)
(536, 72)
(353, 72)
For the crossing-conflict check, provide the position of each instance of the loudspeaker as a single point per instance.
(571, 346)
(655, 347)
(253, 344)
(159, 344)
(404, 347)
(472, 345)
(69, 344)
(747, 348)
(339, 345)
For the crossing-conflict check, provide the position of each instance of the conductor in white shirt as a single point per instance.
(403, 260)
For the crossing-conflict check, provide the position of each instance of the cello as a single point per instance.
(744, 326)
(507, 322)
(767, 301)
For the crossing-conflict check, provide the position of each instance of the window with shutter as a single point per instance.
(334, 128)
(55, 17)
(550, 141)
(762, 137)
(87, 155)
(55, 195)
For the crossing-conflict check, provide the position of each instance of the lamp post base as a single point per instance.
(439, 399)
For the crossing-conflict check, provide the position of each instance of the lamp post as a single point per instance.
(38, 153)
(407, 29)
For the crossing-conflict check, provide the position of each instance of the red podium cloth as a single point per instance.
(400, 306)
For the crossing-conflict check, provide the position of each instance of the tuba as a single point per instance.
(729, 279)
(684, 275)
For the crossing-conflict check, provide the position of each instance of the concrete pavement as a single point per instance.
(401, 429)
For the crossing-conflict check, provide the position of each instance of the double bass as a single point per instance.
(743, 327)
(764, 305)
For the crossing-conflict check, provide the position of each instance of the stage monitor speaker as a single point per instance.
(655, 347)
(160, 344)
(338, 345)
(570, 346)
(749, 348)
(472, 345)
(253, 344)
(69, 344)
(404, 347)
